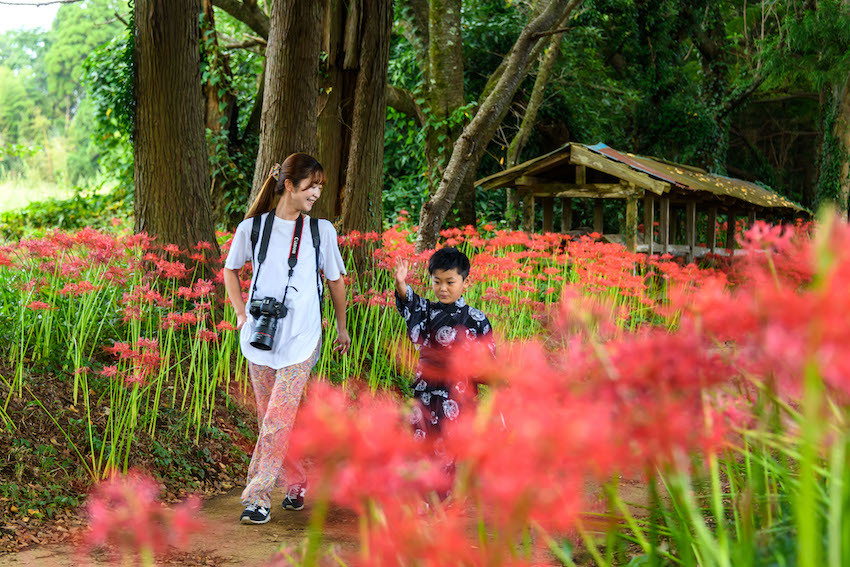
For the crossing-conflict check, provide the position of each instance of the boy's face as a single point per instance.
(448, 285)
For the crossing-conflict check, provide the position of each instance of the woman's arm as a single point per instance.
(234, 292)
(337, 289)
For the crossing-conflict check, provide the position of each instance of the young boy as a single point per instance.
(435, 328)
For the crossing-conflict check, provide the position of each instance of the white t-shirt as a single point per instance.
(300, 331)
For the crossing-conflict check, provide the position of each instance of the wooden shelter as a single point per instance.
(600, 172)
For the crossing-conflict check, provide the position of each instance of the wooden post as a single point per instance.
(751, 218)
(691, 229)
(581, 175)
(528, 211)
(731, 218)
(548, 214)
(598, 217)
(674, 225)
(566, 214)
(664, 223)
(711, 232)
(648, 221)
(630, 230)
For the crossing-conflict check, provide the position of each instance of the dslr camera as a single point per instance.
(266, 311)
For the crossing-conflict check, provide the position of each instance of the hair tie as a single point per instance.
(275, 170)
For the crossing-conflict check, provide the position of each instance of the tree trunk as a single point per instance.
(291, 87)
(841, 131)
(472, 142)
(333, 97)
(444, 90)
(361, 207)
(220, 106)
(171, 169)
(529, 118)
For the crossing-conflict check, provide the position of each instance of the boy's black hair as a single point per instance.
(447, 259)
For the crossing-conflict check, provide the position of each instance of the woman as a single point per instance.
(282, 329)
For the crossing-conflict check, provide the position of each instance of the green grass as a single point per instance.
(18, 193)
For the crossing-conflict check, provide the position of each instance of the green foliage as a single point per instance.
(94, 207)
(814, 49)
(405, 185)
(77, 30)
(109, 76)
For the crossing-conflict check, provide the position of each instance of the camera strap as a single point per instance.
(264, 246)
(293, 250)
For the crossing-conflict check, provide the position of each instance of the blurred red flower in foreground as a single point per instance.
(125, 513)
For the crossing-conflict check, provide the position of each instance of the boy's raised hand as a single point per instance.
(402, 267)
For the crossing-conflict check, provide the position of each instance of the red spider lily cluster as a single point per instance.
(135, 366)
(587, 401)
(125, 514)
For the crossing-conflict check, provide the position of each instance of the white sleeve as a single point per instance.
(240, 248)
(330, 258)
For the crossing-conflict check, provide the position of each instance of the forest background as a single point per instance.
(756, 90)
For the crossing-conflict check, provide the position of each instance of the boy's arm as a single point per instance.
(413, 308)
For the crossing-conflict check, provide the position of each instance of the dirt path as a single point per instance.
(226, 543)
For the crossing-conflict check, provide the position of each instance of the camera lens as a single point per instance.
(263, 336)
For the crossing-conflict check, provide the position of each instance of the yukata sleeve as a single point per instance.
(485, 335)
(414, 310)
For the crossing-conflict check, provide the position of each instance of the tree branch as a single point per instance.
(402, 100)
(36, 4)
(248, 13)
(742, 95)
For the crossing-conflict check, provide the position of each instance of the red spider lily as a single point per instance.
(41, 306)
(203, 245)
(207, 336)
(124, 512)
(171, 270)
(225, 326)
(362, 449)
(173, 249)
(175, 320)
(79, 288)
(109, 371)
(203, 288)
(185, 292)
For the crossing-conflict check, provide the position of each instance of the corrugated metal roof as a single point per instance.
(680, 177)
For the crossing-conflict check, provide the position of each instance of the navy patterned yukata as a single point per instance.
(435, 328)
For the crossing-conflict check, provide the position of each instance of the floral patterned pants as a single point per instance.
(278, 394)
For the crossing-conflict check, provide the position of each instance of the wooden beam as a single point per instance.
(619, 193)
(648, 221)
(598, 216)
(582, 156)
(566, 214)
(664, 223)
(751, 218)
(581, 175)
(691, 229)
(630, 230)
(731, 218)
(548, 214)
(711, 230)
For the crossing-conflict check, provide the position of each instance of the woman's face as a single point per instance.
(305, 194)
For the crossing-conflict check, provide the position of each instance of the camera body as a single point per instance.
(266, 311)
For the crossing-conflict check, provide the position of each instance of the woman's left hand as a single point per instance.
(342, 341)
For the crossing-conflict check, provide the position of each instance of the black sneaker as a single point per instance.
(254, 514)
(295, 497)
